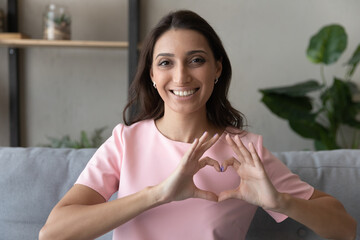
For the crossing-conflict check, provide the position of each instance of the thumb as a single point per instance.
(228, 194)
(207, 195)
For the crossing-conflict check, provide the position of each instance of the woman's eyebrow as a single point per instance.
(196, 51)
(165, 54)
(188, 53)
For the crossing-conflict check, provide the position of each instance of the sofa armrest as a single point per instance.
(335, 172)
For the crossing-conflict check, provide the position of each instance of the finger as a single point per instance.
(245, 152)
(235, 148)
(203, 137)
(204, 144)
(231, 162)
(205, 195)
(228, 195)
(198, 150)
(210, 162)
(255, 155)
(188, 155)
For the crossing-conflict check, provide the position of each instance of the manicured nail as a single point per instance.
(221, 169)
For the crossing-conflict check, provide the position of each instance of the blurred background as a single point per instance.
(68, 90)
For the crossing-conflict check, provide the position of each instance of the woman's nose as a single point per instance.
(181, 75)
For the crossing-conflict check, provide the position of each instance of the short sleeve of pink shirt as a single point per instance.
(138, 156)
(103, 170)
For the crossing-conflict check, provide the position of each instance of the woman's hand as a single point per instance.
(180, 185)
(255, 186)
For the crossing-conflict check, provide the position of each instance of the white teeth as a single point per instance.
(184, 93)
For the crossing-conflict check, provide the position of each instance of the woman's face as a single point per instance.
(184, 70)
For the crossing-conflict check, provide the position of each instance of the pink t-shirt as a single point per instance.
(138, 156)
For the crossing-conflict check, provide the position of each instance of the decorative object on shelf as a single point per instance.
(2, 21)
(57, 23)
(317, 110)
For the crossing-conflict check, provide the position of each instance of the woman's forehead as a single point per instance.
(180, 40)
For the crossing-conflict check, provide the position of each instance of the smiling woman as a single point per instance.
(157, 160)
(147, 100)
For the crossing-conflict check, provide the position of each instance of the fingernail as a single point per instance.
(221, 169)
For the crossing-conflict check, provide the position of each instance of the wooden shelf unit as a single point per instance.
(13, 45)
(23, 43)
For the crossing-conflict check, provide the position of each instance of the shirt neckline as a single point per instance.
(222, 136)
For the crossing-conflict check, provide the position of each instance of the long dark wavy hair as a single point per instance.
(144, 98)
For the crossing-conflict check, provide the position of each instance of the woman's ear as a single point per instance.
(218, 67)
(151, 73)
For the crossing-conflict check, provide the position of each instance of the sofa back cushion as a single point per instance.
(33, 180)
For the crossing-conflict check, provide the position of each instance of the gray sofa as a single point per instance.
(32, 180)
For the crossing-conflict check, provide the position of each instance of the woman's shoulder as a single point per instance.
(144, 126)
(124, 133)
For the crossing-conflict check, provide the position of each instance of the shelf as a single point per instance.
(61, 43)
(14, 40)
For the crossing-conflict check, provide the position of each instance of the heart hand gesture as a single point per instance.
(180, 185)
(255, 186)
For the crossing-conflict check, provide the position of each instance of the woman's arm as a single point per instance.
(322, 213)
(84, 214)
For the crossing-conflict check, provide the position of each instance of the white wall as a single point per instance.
(68, 90)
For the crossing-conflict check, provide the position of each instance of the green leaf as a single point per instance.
(319, 146)
(296, 90)
(328, 139)
(85, 143)
(327, 45)
(97, 138)
(325, 145)
(323, 137)
(353, 123)
(308, 128)
(341, 109)
(354, 61)
(337, 99)
(288, 107)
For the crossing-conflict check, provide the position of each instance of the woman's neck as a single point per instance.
(185, 128)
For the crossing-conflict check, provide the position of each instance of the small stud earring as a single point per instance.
(154, 84)
(216, 80)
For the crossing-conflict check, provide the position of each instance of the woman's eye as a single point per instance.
(164, 63)
(198, 60)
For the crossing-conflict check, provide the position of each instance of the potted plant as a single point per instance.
(316, 109)
(84, 142)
